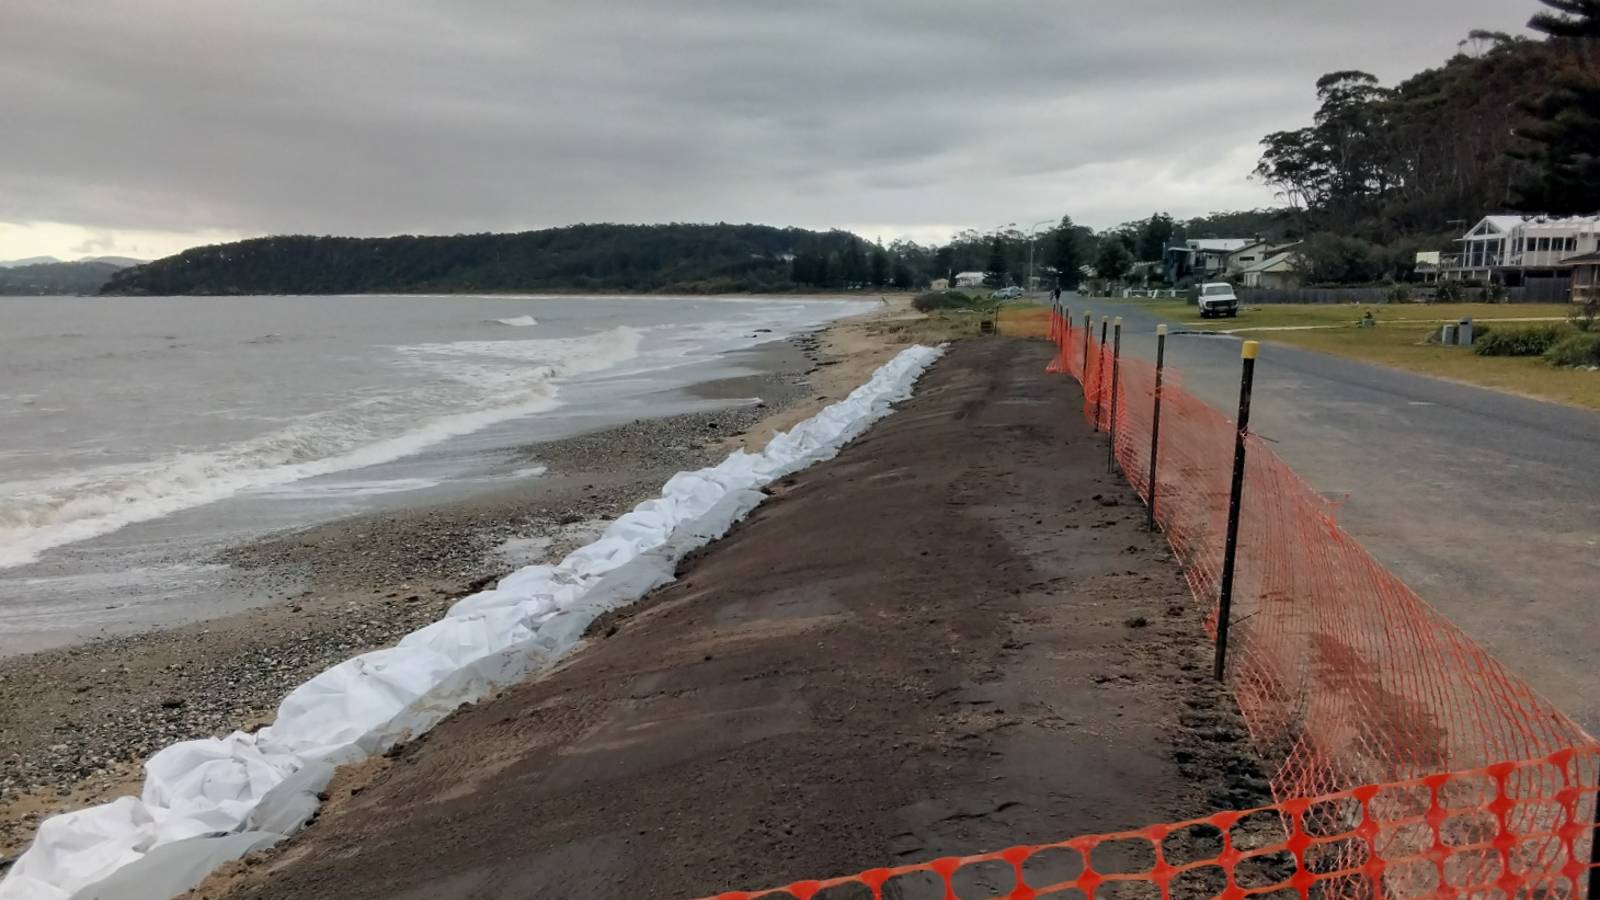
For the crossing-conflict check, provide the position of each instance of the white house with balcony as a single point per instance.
(1511, 250)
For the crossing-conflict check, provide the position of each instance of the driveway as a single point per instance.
(1487, 504)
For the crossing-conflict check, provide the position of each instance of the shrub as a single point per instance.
(1479, 332)
(1534, 340)
(1575, 350)
(937, 300)
(1447, 292)
(1586, 316)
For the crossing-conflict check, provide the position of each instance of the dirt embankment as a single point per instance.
(957, 636)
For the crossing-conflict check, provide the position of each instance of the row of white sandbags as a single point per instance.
(211, 787)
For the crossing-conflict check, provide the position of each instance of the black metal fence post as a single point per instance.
(1594, 853)
(1088, 328)
(1116, 368)
(1099, 365)
(1155, 422)
(1230, 549)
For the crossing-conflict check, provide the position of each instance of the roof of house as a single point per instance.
(1582, 259)
(1222, 245)
(1504, 224)
(1567, 224)
(1500, 223)
(1280, 262)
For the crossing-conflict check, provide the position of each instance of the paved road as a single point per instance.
(1487, 504)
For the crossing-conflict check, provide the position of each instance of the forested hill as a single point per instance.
(85, 277)
(687, 258)
(1511, 123)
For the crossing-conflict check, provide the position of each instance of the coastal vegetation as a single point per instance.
(681, 258)
(1509, 123)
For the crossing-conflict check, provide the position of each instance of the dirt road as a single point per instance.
(954, 637)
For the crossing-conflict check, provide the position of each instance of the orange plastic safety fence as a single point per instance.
(1343, 675)
(1515, 829)
(1357, 693)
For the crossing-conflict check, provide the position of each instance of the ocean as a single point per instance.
(138, 436)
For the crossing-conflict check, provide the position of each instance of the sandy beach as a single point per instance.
(76, 723)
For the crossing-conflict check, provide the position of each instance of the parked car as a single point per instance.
(1004, 294)
(1217, 299)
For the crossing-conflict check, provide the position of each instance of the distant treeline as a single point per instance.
(675, 258)
(55, 278)
(666, 258)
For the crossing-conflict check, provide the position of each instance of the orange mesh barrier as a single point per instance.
(1343, 675)
(1515, 829)
(1355, 692)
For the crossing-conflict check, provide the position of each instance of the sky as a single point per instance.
(141, 127)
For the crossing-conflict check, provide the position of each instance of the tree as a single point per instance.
(902, 275)
(1114, 260)
(880, 267)
(1564, 126)
(1565, 134)
(1340, 259)
(944, 263)
(995, 274)
(1570, 19)
(853, 271)
(1381, 163)
(1070, 251)
(1153, 237)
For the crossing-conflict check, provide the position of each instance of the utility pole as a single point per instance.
(1032, 232)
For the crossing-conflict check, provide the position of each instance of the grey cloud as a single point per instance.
(373, 117)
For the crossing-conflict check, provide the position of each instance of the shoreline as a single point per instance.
(77, 722)
(550, 294)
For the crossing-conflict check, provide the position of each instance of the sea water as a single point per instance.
(140, 435)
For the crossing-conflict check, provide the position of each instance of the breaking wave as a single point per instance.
(470, 385)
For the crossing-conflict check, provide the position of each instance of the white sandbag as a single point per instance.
(204, 793)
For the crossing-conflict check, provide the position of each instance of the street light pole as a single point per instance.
(1032, 232)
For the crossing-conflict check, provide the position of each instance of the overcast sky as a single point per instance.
(139, 127)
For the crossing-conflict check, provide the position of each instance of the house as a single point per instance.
(940, 284)
(1427, 267)
(1585, 277)
(1247, 256)
(1278, 271)
(1203, 258)
(1514, 250)
(970, 279)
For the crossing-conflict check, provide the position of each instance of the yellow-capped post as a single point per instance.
(1247, 376)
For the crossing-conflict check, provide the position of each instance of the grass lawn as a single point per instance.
(1024, 320)
(1400, 340)
(1281, 315)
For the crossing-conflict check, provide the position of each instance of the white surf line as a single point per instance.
(207, 802)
